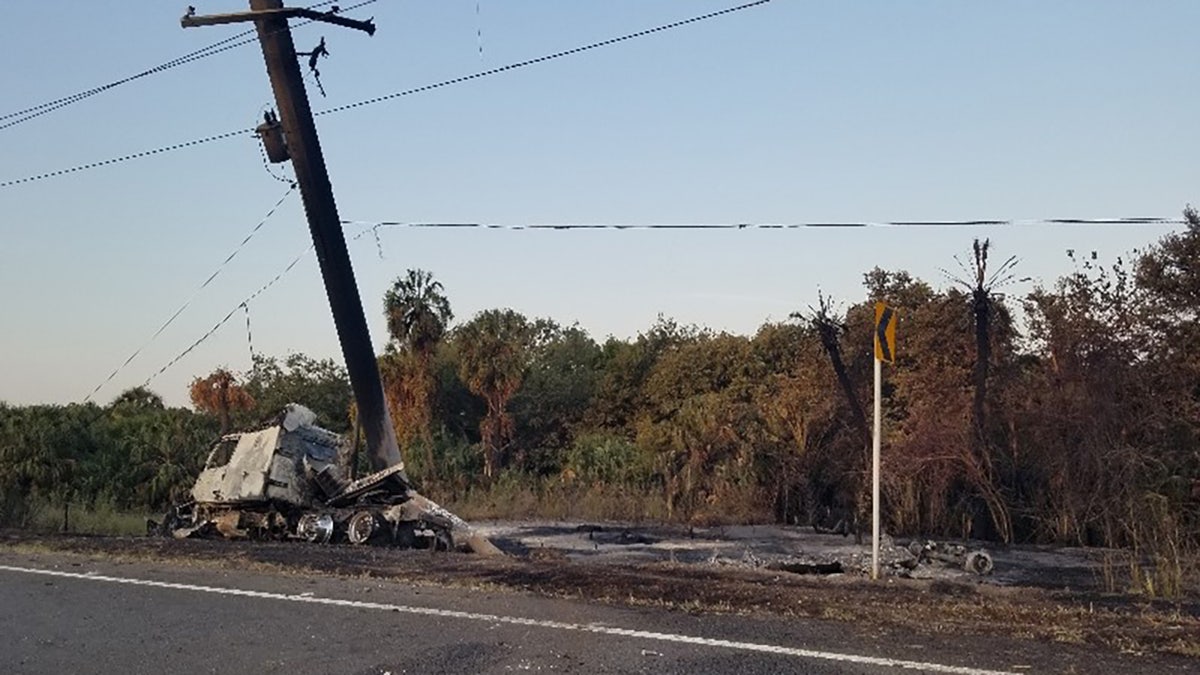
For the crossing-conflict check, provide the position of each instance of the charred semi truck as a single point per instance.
(288, 480)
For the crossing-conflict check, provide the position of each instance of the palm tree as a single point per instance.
(982, 287)
(494, 350)
(829, 330)
(417, 314)
(984, 301)
(137, 400)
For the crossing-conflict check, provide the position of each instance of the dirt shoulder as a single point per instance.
(930, 607)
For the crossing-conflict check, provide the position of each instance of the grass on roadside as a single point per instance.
(512, 497)
(102, 519)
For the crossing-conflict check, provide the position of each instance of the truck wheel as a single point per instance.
(362, 527)
(315, 527)
(979, 562)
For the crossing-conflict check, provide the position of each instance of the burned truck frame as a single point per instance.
(288, 481)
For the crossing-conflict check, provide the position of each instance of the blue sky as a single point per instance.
(794, 111)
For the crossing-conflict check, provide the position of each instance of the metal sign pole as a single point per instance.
(885, 350)
(875, 473)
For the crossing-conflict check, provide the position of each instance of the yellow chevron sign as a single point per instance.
(885, 333)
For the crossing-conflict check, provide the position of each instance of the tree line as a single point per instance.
(1069, 415)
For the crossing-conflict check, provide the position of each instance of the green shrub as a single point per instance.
(606, 459)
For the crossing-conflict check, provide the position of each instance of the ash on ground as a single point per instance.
(796, 549)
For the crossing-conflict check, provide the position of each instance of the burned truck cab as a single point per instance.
(276, 464)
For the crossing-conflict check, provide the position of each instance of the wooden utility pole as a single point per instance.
(300, 132)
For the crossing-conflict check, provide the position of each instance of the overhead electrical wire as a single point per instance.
(373, 228)
(388, 97)
(220, 268)
(57, 104)
(377, 225)
(243, 305)
(542, 59)
(126, 158)
(12, 119)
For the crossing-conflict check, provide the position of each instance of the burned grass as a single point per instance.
(932, 608)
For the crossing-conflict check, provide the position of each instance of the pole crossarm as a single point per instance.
(190, 20)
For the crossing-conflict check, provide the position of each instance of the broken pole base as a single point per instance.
(459, 528)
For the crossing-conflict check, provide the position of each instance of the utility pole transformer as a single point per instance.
(300, 132)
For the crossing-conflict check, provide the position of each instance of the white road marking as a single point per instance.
(521, 621)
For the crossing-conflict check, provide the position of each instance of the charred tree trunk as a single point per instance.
(982, 309)
(827, 330)
(980, 459)
(828, 333)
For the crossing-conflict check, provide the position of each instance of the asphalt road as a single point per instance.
(62, 613)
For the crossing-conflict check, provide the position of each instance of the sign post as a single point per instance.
(885, 350)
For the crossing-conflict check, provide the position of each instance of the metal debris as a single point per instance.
(976, 561)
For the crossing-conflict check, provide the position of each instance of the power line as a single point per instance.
(126, 158)
(543, 59)
(243, 305)
(57, 104)
(238, 40)
(374, 226)
(233, 254)
(388, 97)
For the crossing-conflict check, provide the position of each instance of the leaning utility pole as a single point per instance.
(304, 149)
(271, 19)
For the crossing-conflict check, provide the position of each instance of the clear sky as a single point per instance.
(794, 111)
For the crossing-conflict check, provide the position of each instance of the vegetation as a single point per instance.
(418, 314)
(1070, 415)
(134, 454)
